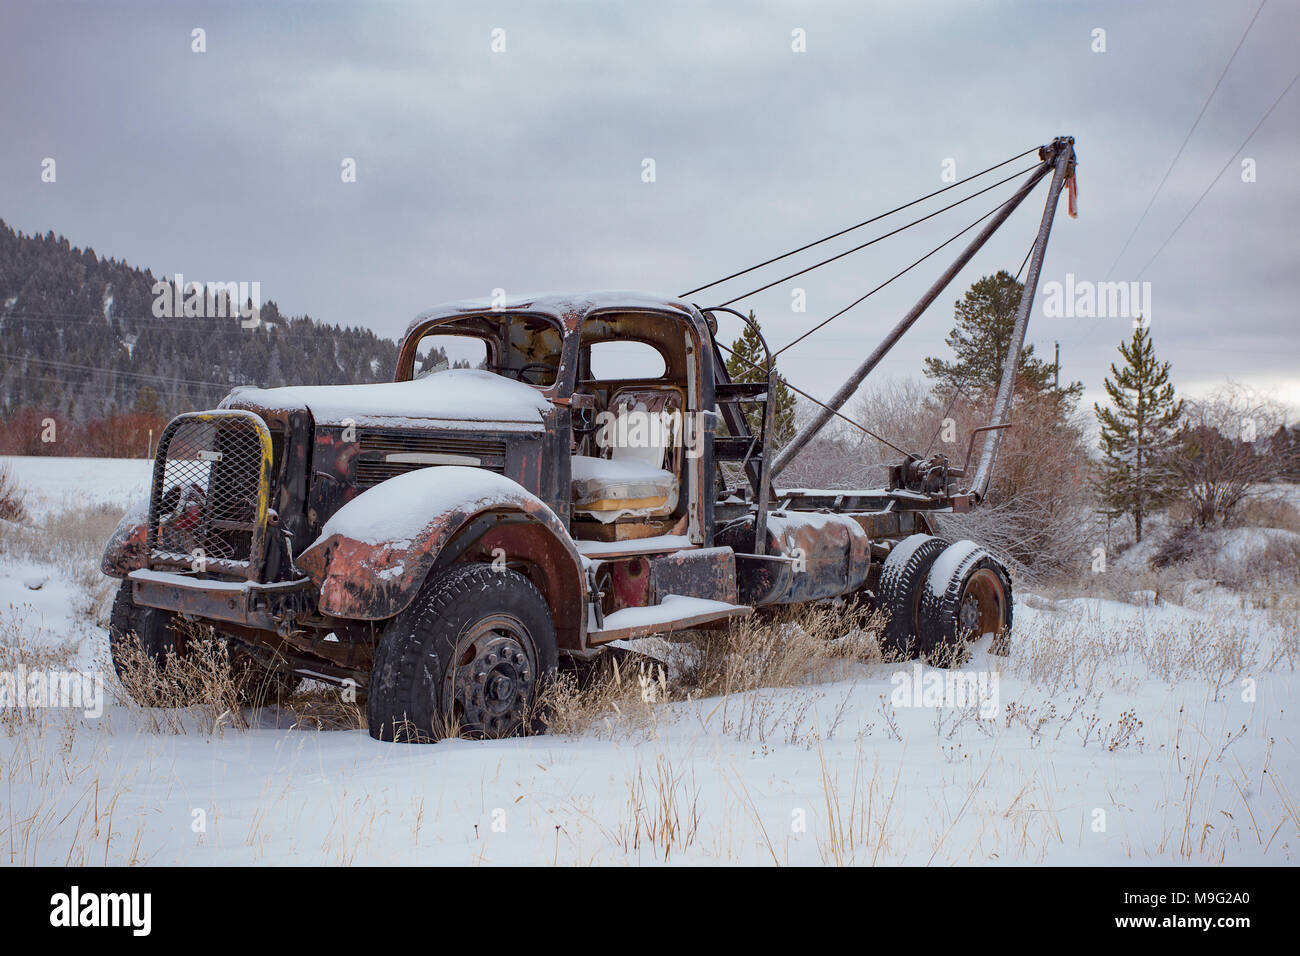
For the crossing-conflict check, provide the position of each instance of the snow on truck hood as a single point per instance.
(460, 394)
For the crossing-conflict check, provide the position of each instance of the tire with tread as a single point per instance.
(969, 576)
(442, 653)
(899, 588)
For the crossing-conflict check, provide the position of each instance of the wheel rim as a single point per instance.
(491, 686)
(983, 606)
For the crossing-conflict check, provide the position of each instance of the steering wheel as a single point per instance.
(520, 372)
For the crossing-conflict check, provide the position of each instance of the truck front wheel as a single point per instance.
(471, 656)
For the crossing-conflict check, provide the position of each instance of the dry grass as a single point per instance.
(323, 707)
(200, 692)
(662, 813)
(209, 689)
(791, 647)
(194, 691)
(20, 652)
(623, 692)
(1068, 651)
(72, 541)
(1261, 512)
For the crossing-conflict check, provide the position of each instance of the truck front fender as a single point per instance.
(375, 553)
(128, 548)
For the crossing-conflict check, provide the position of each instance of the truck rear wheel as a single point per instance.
(967, 595)
(898, 593)
(470, 657)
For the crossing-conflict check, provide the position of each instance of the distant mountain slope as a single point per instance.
(79, 337)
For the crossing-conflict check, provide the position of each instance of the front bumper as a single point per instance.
(265, 607)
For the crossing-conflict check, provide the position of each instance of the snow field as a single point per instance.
(1114, 734)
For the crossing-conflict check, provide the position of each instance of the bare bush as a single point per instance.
(902, 412)
(1037, 514)
(11, 497)
(1220, 467)
(27, 431)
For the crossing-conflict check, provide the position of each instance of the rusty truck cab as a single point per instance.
(632, 381)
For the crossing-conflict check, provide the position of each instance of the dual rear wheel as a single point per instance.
(938, 596)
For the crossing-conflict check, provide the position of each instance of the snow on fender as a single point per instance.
(375, 552)
(128, 547)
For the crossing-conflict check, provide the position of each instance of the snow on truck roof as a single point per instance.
(557, 305)
(459, 394)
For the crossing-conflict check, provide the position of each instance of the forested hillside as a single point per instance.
(80, 341)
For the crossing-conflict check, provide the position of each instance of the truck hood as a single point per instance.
(462, 395)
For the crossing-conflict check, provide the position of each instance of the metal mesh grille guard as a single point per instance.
(211, 485)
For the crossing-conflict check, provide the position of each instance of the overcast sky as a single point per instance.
(522, 169)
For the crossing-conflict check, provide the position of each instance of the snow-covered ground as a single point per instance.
(1115, 733)
(52, 484)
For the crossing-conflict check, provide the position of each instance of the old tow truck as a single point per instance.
(441, 539)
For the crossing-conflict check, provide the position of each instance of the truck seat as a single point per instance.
(629, 478)
(610, 488)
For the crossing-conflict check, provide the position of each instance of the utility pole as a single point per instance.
(1056, 368)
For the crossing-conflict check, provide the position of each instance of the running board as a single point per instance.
(674, 613)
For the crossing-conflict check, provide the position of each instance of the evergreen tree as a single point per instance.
(1283, 449)
(747, 364)
(1139, 435)
(146, 402)
(986, 317)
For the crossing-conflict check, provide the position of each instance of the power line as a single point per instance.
(896, 275)
(1186, 139)
(872, 242)
(798, 391)
(180, 325)
(865, 222)
(1220, 173)
(108, 371)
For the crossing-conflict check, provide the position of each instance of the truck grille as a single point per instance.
(211, 488)
(383, 454)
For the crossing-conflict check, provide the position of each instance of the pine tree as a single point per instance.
(1139, 435)
(986, 317)
(747, 364)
